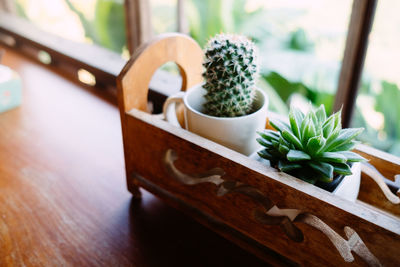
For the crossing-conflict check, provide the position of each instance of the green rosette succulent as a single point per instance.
(230, 74)
(311, 147)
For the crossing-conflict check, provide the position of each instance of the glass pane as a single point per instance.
(164, 19)
(91, 21)
(378, 101)
(301, 42)
(164, 16)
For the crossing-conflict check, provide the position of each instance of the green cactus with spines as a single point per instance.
(311, 147)
(230, 74)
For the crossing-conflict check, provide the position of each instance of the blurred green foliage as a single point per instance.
(386, 102)
(300, 41)
(209, 17)
(390, 94)
(286, 89)
(20, 10)
(107, 29)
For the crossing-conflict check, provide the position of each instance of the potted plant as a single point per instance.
(227, 108)
(313, 148)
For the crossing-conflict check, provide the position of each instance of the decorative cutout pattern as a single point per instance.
(379, 179)
(271, 214)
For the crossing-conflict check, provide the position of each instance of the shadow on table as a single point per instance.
(166, 237)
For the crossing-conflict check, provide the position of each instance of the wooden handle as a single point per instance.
(134, 79)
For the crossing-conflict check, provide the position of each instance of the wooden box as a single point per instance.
(275, 216)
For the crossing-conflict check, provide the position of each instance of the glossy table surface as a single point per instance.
(63, 197)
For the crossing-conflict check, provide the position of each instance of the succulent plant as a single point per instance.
(230, 74)
(311, 147)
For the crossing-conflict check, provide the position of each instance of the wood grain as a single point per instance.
(135, 77)
(325, 230)
(63, 197)
(378, 231)
(389, 166)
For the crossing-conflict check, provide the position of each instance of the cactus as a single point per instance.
(230, 74)
(312, 147)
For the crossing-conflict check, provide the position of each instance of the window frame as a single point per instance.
(67, 57)
(139, 30)
(360, 25)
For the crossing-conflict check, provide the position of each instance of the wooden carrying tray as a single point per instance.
(275, 216)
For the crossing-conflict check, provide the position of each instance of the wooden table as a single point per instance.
(63, 198)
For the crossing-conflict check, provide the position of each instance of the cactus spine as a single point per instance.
(230, 73)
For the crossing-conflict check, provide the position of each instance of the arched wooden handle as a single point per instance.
(134, 79)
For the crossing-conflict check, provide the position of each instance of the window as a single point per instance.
(301, 43)
(101, 22)
(164, 16)
(27, 26)
(377, 105)
(311, 51)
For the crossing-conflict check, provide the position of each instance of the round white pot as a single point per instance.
(237, 133)
(350, 185)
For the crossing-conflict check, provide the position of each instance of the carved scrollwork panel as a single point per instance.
(270, 214)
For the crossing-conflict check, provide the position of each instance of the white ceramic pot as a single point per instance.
(350, 185)
(237, 133)
(348, 188)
